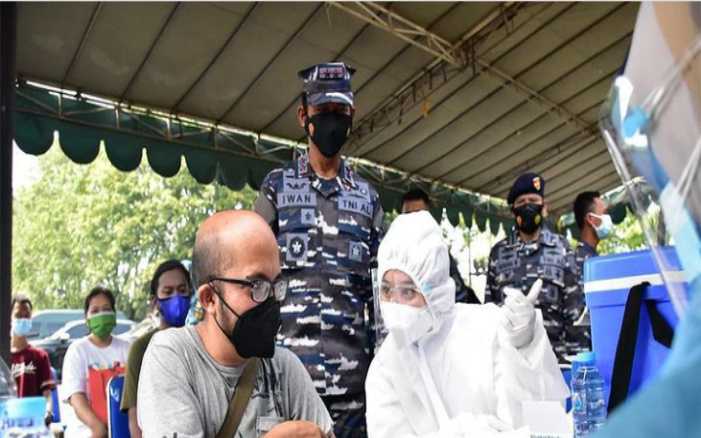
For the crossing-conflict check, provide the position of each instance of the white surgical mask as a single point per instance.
(605, 227)
(406, 323)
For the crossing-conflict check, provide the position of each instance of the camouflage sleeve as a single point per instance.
(579, 265)
(377, 233)
(577, 338)
(265, 203)
(491, 291)
(573, 294)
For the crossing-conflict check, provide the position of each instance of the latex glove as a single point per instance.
(519, 314)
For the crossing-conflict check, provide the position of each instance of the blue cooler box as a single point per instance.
(607, 281)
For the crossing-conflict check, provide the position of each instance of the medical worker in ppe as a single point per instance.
(447, 369)
(652, 126)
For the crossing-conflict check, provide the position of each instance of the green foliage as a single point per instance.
(626, 236)
(83, 225)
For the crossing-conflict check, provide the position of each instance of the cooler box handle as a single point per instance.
(627, 340)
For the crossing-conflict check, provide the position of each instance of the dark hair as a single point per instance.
(168, 265)
(98, 290)
(583, 204)
(416, 195)
(21, 299)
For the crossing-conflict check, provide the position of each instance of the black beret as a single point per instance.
(527, 183)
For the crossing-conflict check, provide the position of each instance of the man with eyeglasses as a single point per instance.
(192, 377)
(328, 223)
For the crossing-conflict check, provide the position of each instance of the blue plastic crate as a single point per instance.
(607, 282)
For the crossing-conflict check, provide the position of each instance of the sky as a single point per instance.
(25, 168)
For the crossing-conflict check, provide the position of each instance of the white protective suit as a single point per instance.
(464, 378)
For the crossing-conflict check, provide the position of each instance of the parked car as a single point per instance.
(47, 322)
(140, 328)
(57, 344)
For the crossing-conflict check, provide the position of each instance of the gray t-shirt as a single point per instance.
(183, 390)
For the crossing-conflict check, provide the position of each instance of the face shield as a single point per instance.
(652, 127)
(403, 309)
(380, 328)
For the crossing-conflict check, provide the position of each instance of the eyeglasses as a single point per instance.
(404, 292)
(261, 289)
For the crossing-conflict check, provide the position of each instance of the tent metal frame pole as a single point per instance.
(8, 47)
(427, 81)
(403, 28)
(439, 47)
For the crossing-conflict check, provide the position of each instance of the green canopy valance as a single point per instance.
(232, 156)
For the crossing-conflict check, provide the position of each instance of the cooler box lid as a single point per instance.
(607, 279)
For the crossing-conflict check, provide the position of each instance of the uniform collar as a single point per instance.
(346, 175)
(545, 237)
(587, 247)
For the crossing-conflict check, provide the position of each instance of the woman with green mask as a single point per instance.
(98, 350)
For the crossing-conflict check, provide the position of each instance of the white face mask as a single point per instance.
(406, 323)
(605, 227)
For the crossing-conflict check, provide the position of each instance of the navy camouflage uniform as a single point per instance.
(518, 264)
(328, 232)
(463, 292)
(582, 252)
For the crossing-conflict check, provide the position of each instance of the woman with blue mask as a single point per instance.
(652, 126)
(170, 296)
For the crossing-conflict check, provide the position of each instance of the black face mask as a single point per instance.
(331, 130)
(529, 217)
(254, 332)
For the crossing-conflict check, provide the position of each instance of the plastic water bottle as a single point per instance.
(588, 402)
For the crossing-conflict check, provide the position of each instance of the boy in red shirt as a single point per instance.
(30, 366)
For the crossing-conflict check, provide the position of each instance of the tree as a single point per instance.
(626, 236)
(83, 225)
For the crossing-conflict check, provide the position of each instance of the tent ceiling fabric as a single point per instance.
(236, 63)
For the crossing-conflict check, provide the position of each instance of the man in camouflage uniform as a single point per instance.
(530, 252)
(327, 220)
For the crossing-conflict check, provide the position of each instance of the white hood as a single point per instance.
(414, 245)
(461, 379)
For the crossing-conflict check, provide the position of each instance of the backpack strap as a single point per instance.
(238, 403)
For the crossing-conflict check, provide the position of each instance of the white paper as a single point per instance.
(547, 419)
